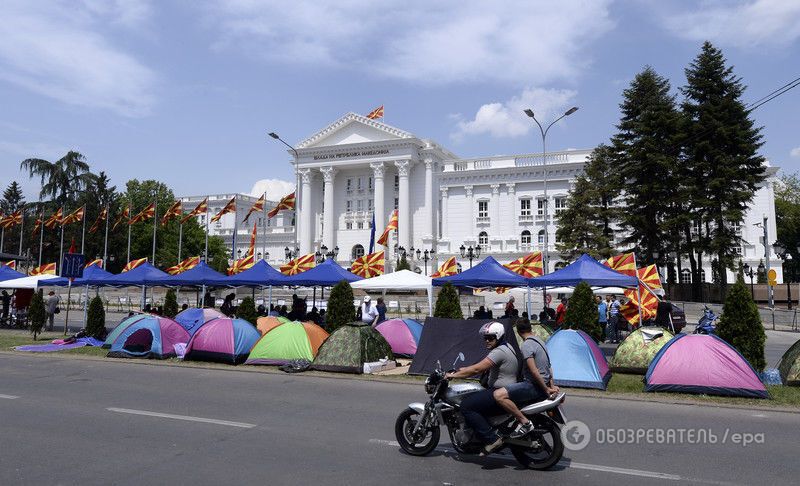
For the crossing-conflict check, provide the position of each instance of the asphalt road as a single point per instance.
(69, 421)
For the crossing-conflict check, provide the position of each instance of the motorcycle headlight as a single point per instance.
(430, 386)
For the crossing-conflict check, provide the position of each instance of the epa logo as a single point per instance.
(575, 435)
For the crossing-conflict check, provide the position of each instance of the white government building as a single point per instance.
(358, 166)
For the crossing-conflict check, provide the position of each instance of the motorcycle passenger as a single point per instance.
(537, 385)
(501, 366)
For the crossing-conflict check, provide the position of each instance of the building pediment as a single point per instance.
(353, 128)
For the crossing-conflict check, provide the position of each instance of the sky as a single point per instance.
(185, 91)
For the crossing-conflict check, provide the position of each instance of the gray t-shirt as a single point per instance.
(504, 371)
(534, 348)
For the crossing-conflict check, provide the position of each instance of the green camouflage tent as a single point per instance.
(789, 366)
(349, 347)
(636, 352)
(541, 331)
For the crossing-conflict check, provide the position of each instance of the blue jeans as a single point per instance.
(611, 328)
(525, 392)
(476, 407)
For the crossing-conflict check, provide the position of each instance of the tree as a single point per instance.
(402, 264)
(646, 155)
(13, 199)
(62, 180)
(448, 304)
(740, 325)
(37, 314)
(582, 312)
(96, 318)
(171, 304)
(721, 144)
(787, 220)
(340, 306)
(247, 310)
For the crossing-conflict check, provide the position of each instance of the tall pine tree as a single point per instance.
(721, 146)
(13, 198)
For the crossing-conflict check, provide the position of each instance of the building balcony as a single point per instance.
(483, 220)
(525, 218)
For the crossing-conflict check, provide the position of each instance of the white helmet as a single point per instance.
(367, 298)
(493, 329)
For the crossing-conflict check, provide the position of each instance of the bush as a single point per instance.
(171, 304)
(402, 264)
(247, 310)
(740, 325)
(96, 319)
(37, 314)
(448, 304)
(340, 306)
(582, 312)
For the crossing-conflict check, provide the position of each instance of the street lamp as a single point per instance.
(748, 270)
(543, 131)
(290, 254)
(470, 253)
(785, 256)
(296, 178)
(426, 256)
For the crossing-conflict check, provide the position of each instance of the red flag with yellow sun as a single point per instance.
(649, 305)
(370, 265)
(625, 263)
(649, 276)
(133, 264)
(449, 267)
(528, 266)
(299, 265)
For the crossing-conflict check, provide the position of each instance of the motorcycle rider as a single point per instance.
(537, 384)
(502, 366)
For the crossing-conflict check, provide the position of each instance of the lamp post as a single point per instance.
(425, 256)
(470, 253)
(290, 254)
(785, 256)
(296, 181)
(543, 131)
(748, 270)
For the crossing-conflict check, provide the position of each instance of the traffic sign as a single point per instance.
(72, 266)
(772, 277)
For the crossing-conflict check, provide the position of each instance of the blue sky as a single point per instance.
(186, 91)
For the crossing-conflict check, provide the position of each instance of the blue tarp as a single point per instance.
(91, 275)
(198, 276)
(8, 274)
(326, 274)
(488, 273)
(261, 274)
(584, 269)
(145, 274)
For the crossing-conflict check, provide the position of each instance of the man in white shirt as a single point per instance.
(369, 312)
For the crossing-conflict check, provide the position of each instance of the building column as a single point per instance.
(429, 215)
(379, 198)
(306, 211)
(471, 210)
(328, 230)
(404, 204)
(511, 187)
(445, 232)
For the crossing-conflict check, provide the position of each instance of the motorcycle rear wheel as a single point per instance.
(549, 451)
(403, 431)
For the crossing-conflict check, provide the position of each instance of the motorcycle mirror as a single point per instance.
(438, 365)
(460, 357)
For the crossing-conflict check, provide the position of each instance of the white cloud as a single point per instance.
(58, 50)
(795, 152)
(527, 43)
(738, 23)
(275, 188)
(507, 119)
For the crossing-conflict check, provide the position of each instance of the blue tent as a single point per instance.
(326, 274)
(488, 273)
(8, 274)
(198, 276)
(91, 275)
(143, 275)
(149, 337)
(577, 360)
(261, 274)
(584, 269)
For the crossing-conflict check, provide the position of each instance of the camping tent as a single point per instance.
(30, 282)
(349, 347)
(584, 269)
(402, 335)
(144, 275)
(261, 274)
(703, 364)
(223, 339)
(197, 276)
(442, 339)
(577, 360)
(151, 337)
(124, 324)
(638, 350)
(8, 273)
(286, 342)
(789, 366)
(488, 273)
(326, 274)
(400, 280)
(267, 323)
(541, 331)
(192, 318)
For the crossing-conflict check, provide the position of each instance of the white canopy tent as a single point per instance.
(401, 280)
(30, 282)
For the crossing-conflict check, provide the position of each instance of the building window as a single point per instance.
(686, 276)
(349, 185)
(349, 205)
(358, 252)
(369, 204)
(525, 239)
(524, 207)
(540, 207)
(396, 203)
(560, 203)
(360, 205)
(370, 182)
(396, 182)
(483, 240)
(541, 237)
(360, 183)
(349, 225)
(360, 225)
(483, 209)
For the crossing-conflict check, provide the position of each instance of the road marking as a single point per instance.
(9, 397)
(182, 417)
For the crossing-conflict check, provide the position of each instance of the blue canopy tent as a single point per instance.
(91, 276)
(488, 273)
(145, 275)
(200, 275)
(584, 269)
(261, 274)
(326, 274)
(8, 273)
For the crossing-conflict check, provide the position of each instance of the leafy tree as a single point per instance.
(247, 310)
(402, 264)
(63, 180)
(448, 304)
(171, 303)
(96, 318)
(740, 325)
(37, 314)
(13, 198)
(582, 312)
(787, 219)
(340, 306)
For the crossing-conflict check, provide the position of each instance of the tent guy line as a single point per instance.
(182, 417)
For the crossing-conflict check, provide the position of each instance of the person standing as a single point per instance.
(381, 307)
(509, 307)
(6, 305)
(561, 312)
(602, 312)
(369, 312)
(613, 319)
(52, 308)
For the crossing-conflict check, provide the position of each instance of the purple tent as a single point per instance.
(192, 318)
(149, 337)
(402, 335)
(224, 340)
(703, 364)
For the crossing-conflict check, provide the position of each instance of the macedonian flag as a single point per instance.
(449, 267)
(184, 265)
(528, 266)
(125, 215)
(299, 265)
(286, 203)
(201, 208)
(55, 219)
(649, 304)
(12, 264)
(625, 263)
(11, 220)
(133, 264)
(649, 276)
(384, 239)
(144, 214)
(370, 265)
(241, 265)
(74, 217)
(376, 113)
(229, 208)
(96, 261)
(256, 207)
(174, 211)
(37, 224)
(46, 269)
(100, 218)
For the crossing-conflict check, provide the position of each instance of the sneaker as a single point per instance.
(522, 430)
(488, 449)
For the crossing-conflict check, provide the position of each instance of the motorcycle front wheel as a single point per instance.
(546, 447)
(404, 432)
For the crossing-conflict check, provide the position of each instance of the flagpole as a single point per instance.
(83, 229)
(61, 247)
(21, 229)
(180, 241)
(235, 226)
(105, 240)
(205, 258)
(2, 238)
(155, 225)
(129, 243)
(41, 236)
(264, 227)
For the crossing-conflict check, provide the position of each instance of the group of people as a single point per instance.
(608, 316)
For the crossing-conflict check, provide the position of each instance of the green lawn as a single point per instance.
(11, 338)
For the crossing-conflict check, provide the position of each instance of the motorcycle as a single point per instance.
(707, 323)
(417, 428)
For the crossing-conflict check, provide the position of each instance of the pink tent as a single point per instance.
(401, 334)
(703, 364)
